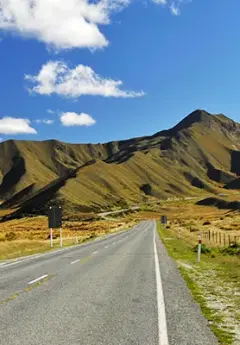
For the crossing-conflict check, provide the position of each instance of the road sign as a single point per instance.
(55, 217)
(164, 219)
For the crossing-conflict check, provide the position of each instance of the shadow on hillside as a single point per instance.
(13, 176)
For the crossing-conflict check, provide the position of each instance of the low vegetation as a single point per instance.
(31, 235)
(215, 281)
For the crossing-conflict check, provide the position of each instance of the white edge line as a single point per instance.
(162, 322)
(73, 262)
(36, 280)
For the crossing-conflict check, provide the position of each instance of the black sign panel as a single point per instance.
(55, 217)
(164, 219)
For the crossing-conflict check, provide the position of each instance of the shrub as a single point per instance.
(204, 249)
(232, 250)
(207, 222)
(146, 188)
(10, 236)
(193, 229)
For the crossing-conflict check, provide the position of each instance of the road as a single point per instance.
(104, 214)
(120, 290)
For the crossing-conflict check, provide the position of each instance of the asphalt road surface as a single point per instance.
(119, 290)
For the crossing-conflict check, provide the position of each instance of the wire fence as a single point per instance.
(221, 239)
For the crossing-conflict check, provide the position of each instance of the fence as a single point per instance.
(220, 238)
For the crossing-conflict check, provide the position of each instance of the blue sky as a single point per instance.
(64, 65)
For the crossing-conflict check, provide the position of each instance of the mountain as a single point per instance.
(200, 154)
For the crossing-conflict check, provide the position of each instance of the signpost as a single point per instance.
(55, 222)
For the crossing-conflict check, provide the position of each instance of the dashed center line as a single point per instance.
(95, 252)
(106, 246)
(36, 280)
(73, 262)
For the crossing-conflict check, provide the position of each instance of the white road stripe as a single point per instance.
(95, 252)
(162, 323)
(36, 280)
(75, 261)
(114, 242)
(106, 246)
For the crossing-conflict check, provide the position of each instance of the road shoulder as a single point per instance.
(185, 322)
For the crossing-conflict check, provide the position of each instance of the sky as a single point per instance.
(93, 71)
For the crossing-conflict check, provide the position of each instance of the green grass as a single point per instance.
(227, 270)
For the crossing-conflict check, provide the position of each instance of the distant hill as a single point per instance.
(200, 154)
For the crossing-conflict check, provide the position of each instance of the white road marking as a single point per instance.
(114, 242)
(36, 280)
(13, 263)
(95, 252)
(73, 262)
(106, 246)
(34, 256)
(162, 323)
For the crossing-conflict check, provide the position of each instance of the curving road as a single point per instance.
(119, 290)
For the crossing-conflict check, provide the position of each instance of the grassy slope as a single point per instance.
(162, 160)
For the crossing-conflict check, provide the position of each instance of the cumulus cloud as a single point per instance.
(55, 77)
(64, 24)
(73, 119)
(11, 125)
(46, 122)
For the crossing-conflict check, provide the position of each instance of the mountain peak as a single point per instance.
(198, 115)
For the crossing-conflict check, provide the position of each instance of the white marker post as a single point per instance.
(61, 239)
(199, 249)
(51, 237)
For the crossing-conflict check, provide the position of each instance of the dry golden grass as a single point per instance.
(31, 235)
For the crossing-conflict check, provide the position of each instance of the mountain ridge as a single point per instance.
(200, 153)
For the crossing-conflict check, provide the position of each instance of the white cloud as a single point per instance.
(73, 119)
(56, 77)
(50, 111)
(175, 10)
(173, 5)
(46, 122)
(11, 125)
(63, 24)
(160, 2)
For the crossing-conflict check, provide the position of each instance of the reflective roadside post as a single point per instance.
(199, 247)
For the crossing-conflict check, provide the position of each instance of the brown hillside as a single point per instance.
(199, 155)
